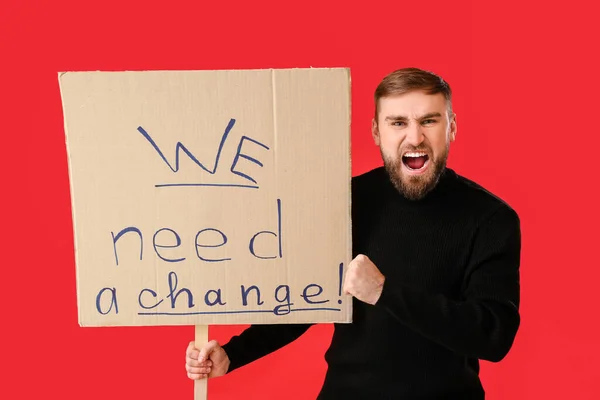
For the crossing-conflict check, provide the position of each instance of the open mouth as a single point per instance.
(415, 161)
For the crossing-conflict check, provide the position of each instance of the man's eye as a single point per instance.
(397, 123)
(429, 121)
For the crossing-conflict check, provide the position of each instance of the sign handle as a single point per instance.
(201, 386)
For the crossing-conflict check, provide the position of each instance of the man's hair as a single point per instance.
(405, 80)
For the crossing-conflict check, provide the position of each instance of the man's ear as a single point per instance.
(375, 131)
(453, 128)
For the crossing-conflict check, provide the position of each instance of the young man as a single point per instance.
(435, 274)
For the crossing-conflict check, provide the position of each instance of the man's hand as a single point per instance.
(210, 361)
(363, 280)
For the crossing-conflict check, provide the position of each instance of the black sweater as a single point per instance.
(451, 295)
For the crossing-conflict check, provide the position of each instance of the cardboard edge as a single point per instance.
(71, 195)
(349, 318)
(208, 70)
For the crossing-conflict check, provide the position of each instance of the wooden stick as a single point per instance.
(201, 386)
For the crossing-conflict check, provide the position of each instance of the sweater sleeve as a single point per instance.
(484, 321)
(260, 340)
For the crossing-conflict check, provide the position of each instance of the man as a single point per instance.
(435, 274)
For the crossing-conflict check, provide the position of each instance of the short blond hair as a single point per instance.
(405, 80)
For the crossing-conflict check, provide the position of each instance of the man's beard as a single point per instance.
(415, 187)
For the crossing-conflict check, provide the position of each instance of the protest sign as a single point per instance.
(209, 197)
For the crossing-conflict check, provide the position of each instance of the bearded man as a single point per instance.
(435, 269)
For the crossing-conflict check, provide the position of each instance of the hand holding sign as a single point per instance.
(210, 361)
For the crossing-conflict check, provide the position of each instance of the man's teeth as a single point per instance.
(415, 154)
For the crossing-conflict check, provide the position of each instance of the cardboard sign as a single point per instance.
(209, 197)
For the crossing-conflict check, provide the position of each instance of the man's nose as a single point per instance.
(415, 136)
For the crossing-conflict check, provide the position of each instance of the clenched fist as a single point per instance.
(363, 280)
(210, 361)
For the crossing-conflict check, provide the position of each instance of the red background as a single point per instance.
(526, 95)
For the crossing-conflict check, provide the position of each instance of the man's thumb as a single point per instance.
(207, 349)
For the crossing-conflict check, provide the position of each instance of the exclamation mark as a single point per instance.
(340, 282)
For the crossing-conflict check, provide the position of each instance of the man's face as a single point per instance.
(413, 132)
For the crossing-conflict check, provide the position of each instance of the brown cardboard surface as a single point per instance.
(189, 187)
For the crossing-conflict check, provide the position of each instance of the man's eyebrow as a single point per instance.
(395, 118)
(403, 118)
(431, 115)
